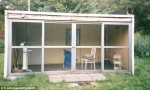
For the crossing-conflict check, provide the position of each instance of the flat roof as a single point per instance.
(57, 16)
(67, 14)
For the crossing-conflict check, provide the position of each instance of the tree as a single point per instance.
(1, 16)
(142, 15)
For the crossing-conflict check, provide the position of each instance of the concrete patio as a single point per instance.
(89, 77)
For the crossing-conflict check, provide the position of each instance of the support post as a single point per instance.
(43, 35)
(28, 5)
(73, 55)
(102, 47)
(132, 45)
(8, 44)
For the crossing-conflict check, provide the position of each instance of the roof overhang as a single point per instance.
(74, 17)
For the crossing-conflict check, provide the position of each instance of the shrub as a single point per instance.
(1, 46)
(142, 45)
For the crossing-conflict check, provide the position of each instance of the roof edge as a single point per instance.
(68, 14)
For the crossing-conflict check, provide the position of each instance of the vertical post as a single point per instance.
(9, 46)
(43, 35)
(132, 45)
(129, 49)
(6, 47)
(102, 47)
(73, 40)
(28, 5)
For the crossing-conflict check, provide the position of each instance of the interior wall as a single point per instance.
(55, 34)
(54, 56)
(90, 34)
(116, 35)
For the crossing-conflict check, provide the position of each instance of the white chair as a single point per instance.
(89, 58)
(117, 62)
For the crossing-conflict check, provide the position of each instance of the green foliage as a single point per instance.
(1, 17)
(142, 45)
(142, 13)
(1, 46)
(75, 6)
(16, 4)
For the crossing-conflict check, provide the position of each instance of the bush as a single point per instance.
(142, 45)
(1, 46)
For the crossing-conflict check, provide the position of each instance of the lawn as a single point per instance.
(139, 81)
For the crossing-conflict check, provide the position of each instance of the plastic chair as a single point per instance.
(89, 58)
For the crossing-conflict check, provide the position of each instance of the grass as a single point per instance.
(117, 81)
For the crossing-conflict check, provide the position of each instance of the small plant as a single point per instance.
(1, 46)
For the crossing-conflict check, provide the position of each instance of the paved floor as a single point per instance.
(77, 77)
